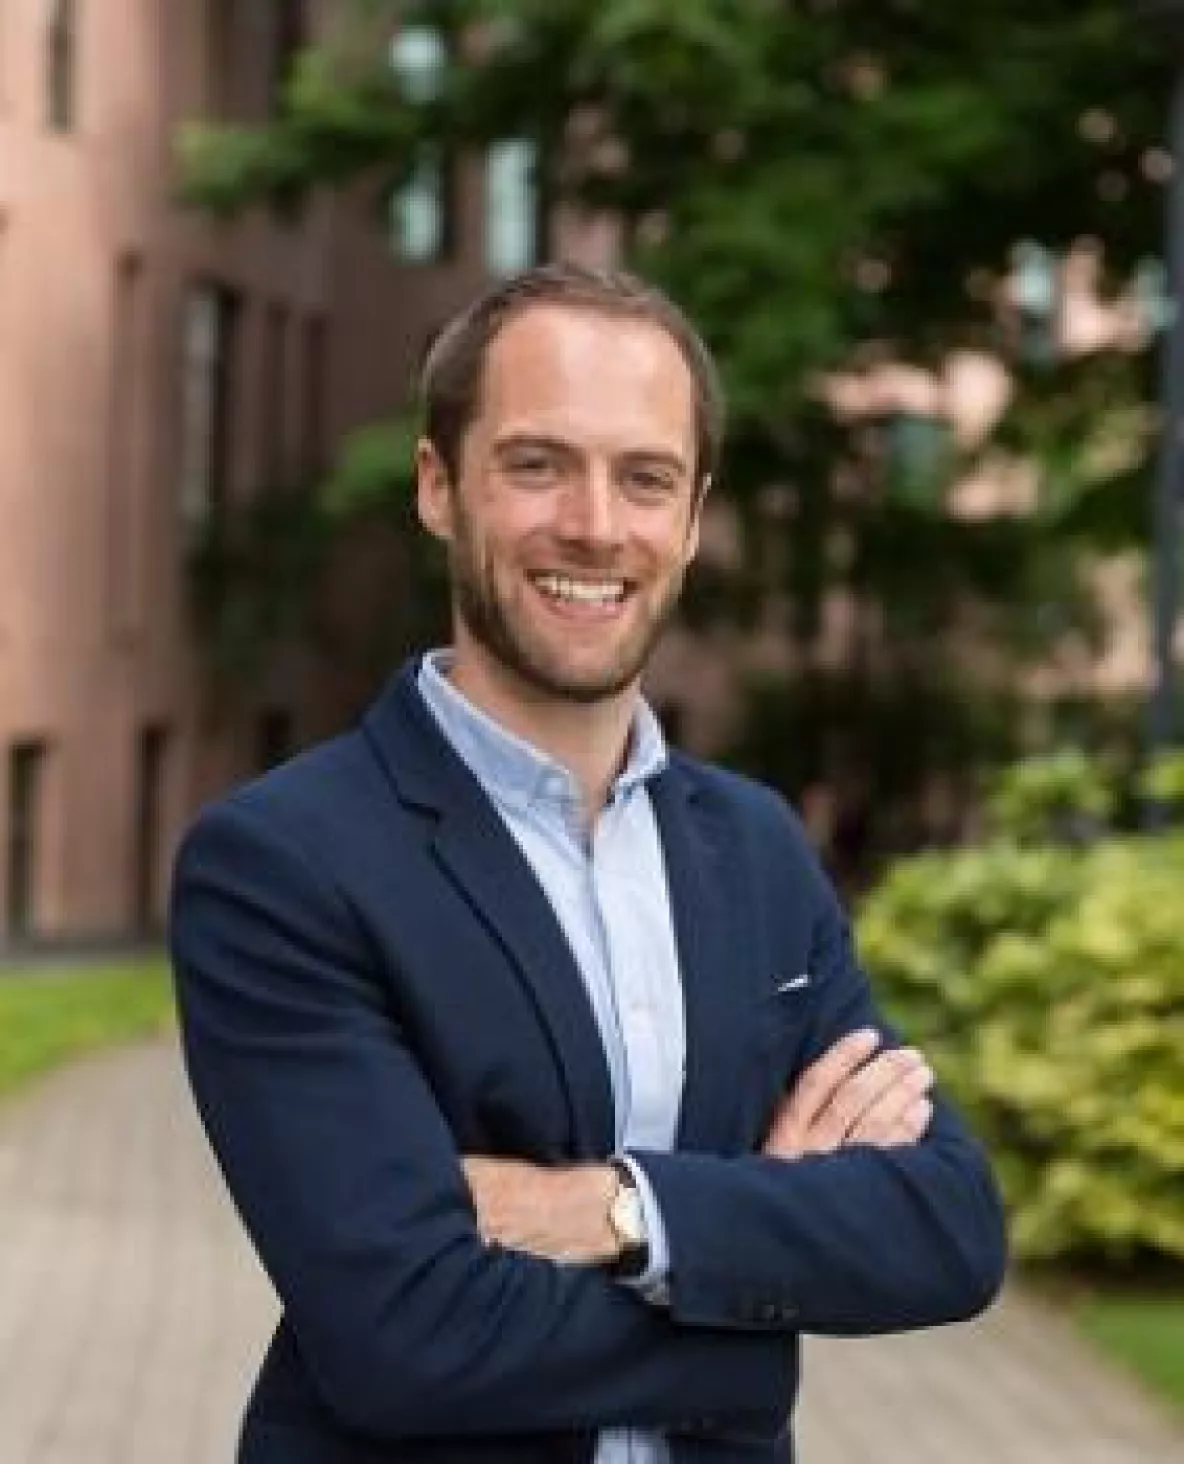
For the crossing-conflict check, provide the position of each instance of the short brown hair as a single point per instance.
(451, 377)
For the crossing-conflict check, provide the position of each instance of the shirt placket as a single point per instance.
(638, 1084)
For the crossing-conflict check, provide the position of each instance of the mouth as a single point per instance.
(565, 590)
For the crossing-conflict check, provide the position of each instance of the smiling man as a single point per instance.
(535, 1055)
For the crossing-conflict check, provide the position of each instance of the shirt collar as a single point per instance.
(514, 770)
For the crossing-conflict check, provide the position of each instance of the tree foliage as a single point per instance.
(822, 184)
(760, 152)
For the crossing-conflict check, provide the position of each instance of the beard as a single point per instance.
(504, 630)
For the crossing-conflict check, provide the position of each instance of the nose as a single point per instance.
(591, 510)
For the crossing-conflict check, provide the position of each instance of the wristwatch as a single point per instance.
(626, 1219)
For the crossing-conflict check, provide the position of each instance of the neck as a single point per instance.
(590, 739)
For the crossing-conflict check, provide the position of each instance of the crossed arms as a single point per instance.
(350, 1183)
(856, 1093)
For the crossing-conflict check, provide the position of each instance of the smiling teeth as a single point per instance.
(560, 587)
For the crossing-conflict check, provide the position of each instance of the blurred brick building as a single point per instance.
(157, 369)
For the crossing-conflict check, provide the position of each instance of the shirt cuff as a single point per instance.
(652, 1283)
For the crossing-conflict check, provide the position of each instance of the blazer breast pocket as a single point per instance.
(784, 1020)
(786, 1008)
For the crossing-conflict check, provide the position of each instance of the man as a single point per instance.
(535, 1056)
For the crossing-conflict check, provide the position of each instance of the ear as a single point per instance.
(433, 490)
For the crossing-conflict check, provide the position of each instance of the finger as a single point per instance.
(816, 1087)
(912, 1127)
(791, 1133)
(899, 1086)
(859, 1094)
(898, 1109)
(785, 1137)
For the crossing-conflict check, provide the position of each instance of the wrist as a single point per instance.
(602, 1187)
(626, 1221)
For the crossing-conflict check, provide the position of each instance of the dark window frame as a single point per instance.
(275, 394)
(291, 33)
(221, 83)
(151, 791)
(314, 387)
(27, 761)
(220, 399)
(61, 67)
(127, 381)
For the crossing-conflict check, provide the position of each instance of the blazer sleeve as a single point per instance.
(349, 1183)
(861, 1241)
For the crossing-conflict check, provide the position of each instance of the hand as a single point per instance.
(559, 1214)
(854, 1095)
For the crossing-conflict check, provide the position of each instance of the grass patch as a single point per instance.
(1143, 1332)
(49, 1018)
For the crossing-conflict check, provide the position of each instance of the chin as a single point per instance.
(565, 683)
(588, 693)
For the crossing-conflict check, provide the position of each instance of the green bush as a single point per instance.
(1046, 983)
(1062, 795)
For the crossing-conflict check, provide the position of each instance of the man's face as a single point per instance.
(576, 511)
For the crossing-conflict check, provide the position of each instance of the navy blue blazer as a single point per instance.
(371, 983)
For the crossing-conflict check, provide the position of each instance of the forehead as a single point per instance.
(580, 371)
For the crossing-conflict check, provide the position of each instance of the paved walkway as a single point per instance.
(131, 1316)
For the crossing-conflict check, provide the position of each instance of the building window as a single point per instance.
(209, 332)
(61, 66)
(273, 417)
(275, 737)
(513, 207)
(151, 762)
(314, 448)
(123, 528)
(220, 58)
(289, 36)
(422, 209)
(26, 763)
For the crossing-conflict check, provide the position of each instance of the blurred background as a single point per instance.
(934, 248)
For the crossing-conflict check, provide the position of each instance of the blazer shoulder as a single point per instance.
(312, 799)
(757, 817)
(760, 806)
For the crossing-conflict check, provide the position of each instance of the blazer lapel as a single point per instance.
(478, 853)
(708, 906)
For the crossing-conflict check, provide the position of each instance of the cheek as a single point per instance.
(676, 543)
(506, 516)
(487, 523)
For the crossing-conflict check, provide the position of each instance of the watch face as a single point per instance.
(626, 1217)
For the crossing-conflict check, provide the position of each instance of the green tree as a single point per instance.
(820, 183)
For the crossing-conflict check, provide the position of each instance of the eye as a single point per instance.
(532, 465)
(650, 482)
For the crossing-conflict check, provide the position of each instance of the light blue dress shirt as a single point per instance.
(608, 889)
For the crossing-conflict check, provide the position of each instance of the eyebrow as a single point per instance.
(658, 456)
(533, 439)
